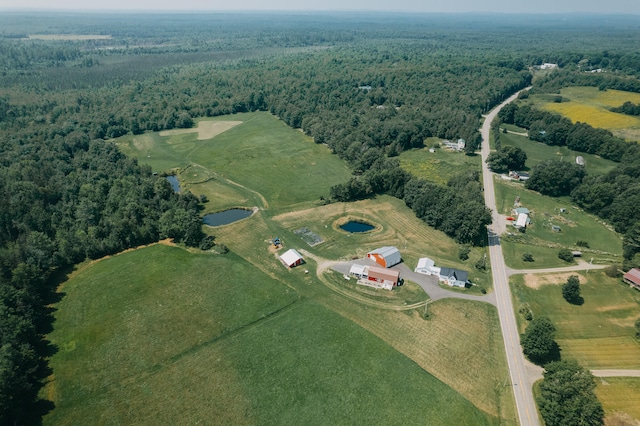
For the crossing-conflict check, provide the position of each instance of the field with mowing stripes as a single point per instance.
(191, 337)
(620, 395)
(599, 333)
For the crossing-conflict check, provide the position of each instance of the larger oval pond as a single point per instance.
(226, 217)
(356, 227)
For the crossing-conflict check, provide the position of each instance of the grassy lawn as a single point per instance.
(620, 395)
(438, 166)
(205, 339)
(599, 333)
(115, 327)
(540, 240)
(538, 152)
(591, 105)
(261, 153)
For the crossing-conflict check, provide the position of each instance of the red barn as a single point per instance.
(633, 278)
(291, 258)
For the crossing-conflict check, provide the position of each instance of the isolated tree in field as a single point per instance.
(538, 342)
(527, 257)
(571, 290)
(567, 397)
(638, 328)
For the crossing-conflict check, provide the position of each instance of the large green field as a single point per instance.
(599, 333)
(260, 153)
(177, 336)
(619, 397)
(538, 152)
(438, 166)
(539, 239)
(189, 338)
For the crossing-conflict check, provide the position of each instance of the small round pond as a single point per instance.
(354, 227)
(225, 217)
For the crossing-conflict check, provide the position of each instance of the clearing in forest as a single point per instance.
(192, 336)
(591, 105)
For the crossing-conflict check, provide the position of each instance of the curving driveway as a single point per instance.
(429, 283)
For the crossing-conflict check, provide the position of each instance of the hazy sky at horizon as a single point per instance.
(505, 6)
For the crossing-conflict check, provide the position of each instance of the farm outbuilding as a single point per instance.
(454, 277)
(427, 266)
(385, 256)
(522, 221)
(632, 278)
(358, 271)
(382, 277)
(291, 258)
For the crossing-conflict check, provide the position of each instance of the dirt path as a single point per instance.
(324, 264)
(581, 266)
(616, 373)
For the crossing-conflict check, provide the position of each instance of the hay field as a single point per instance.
(599, 333)
(179, 343)
(262, 154)
(206, 129)
(590, 105)
(538, 152)
(619, 397)
(438, 166)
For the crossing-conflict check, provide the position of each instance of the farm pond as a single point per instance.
(357, 227)
(173, 180)
(226, 217)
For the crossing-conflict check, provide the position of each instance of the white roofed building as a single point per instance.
(291, 258)
(385, 256)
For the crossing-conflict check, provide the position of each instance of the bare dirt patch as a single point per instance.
(538, 280)
(206, 129)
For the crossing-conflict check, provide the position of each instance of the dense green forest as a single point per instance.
(369, 86)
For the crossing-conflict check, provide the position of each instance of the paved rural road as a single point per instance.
(525, 404)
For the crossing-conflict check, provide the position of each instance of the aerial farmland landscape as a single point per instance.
(346, 215)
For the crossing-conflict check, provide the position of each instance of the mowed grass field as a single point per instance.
(261, 153)
(261, 344)
(538, 152)
(591, 105)
(605, 245)
(599, 333)
(619, 397)
(438, 166)
(190, 338)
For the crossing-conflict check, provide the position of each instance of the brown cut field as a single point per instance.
(206, 129)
